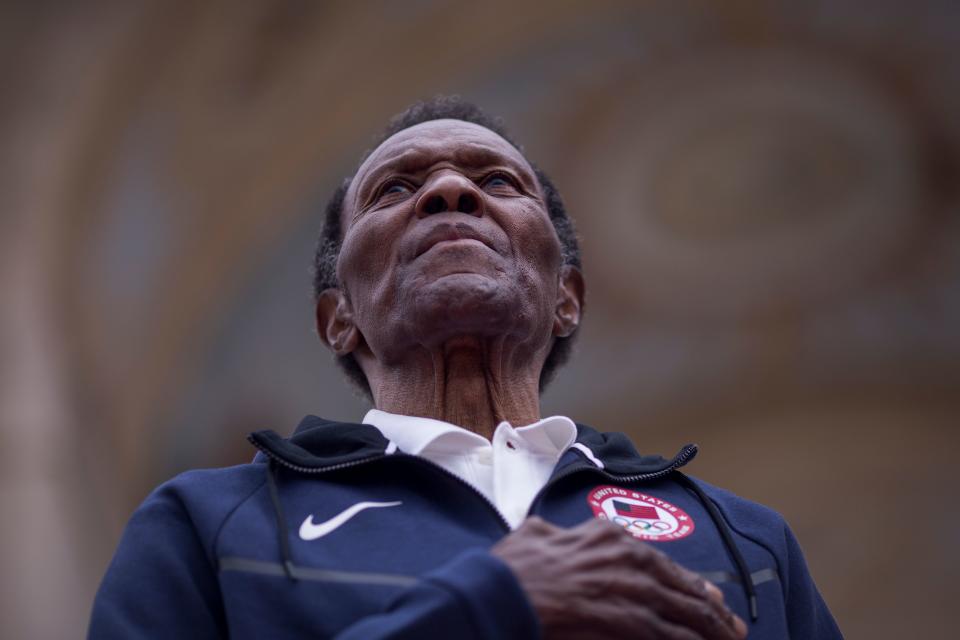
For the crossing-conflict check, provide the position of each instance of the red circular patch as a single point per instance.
(645, 516)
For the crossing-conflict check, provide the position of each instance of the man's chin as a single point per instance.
(467, 302)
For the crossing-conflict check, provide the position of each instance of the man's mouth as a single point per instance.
(449, 233)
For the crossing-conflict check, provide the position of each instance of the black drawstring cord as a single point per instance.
(724, 529)
(282, 530)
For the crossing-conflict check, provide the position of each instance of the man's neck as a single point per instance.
(466, 382)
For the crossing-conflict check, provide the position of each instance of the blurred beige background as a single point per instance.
(767, 199)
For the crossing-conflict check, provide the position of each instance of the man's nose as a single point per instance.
(450, 192)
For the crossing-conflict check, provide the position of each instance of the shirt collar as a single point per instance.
(412, 434)
(551, 436)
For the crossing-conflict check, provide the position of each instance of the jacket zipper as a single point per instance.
(678, 461)
(416, 459)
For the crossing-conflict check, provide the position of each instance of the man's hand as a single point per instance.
(596, 580)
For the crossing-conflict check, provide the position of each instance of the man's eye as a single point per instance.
(395, 187)
(498, 181)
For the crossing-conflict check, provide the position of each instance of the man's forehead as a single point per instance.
(448, 139)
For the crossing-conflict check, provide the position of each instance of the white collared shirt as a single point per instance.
(509, 471)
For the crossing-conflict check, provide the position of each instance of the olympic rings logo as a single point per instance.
(643, 516)
(658, 526)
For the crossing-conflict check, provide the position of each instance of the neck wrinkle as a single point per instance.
(466, 384)
(467, 399)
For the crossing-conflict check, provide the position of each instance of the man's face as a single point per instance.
(446, 234)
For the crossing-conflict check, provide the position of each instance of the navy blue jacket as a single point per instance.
(218, 553)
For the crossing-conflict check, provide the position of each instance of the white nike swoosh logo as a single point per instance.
(311, 531)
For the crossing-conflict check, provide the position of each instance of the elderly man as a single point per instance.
(449, 287)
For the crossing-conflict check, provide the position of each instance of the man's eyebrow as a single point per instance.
(414, 160)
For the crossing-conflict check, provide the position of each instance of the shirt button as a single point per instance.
(485, 457)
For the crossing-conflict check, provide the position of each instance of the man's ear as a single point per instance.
(335, 322)
(570, 293)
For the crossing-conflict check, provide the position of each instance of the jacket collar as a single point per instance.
(319, 444)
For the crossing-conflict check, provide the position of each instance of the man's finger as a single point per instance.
(536, 523)
(704, 616)
(689, 583)
(713, 591)
(669, 572)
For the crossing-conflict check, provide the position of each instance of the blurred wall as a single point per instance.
(767, 199)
